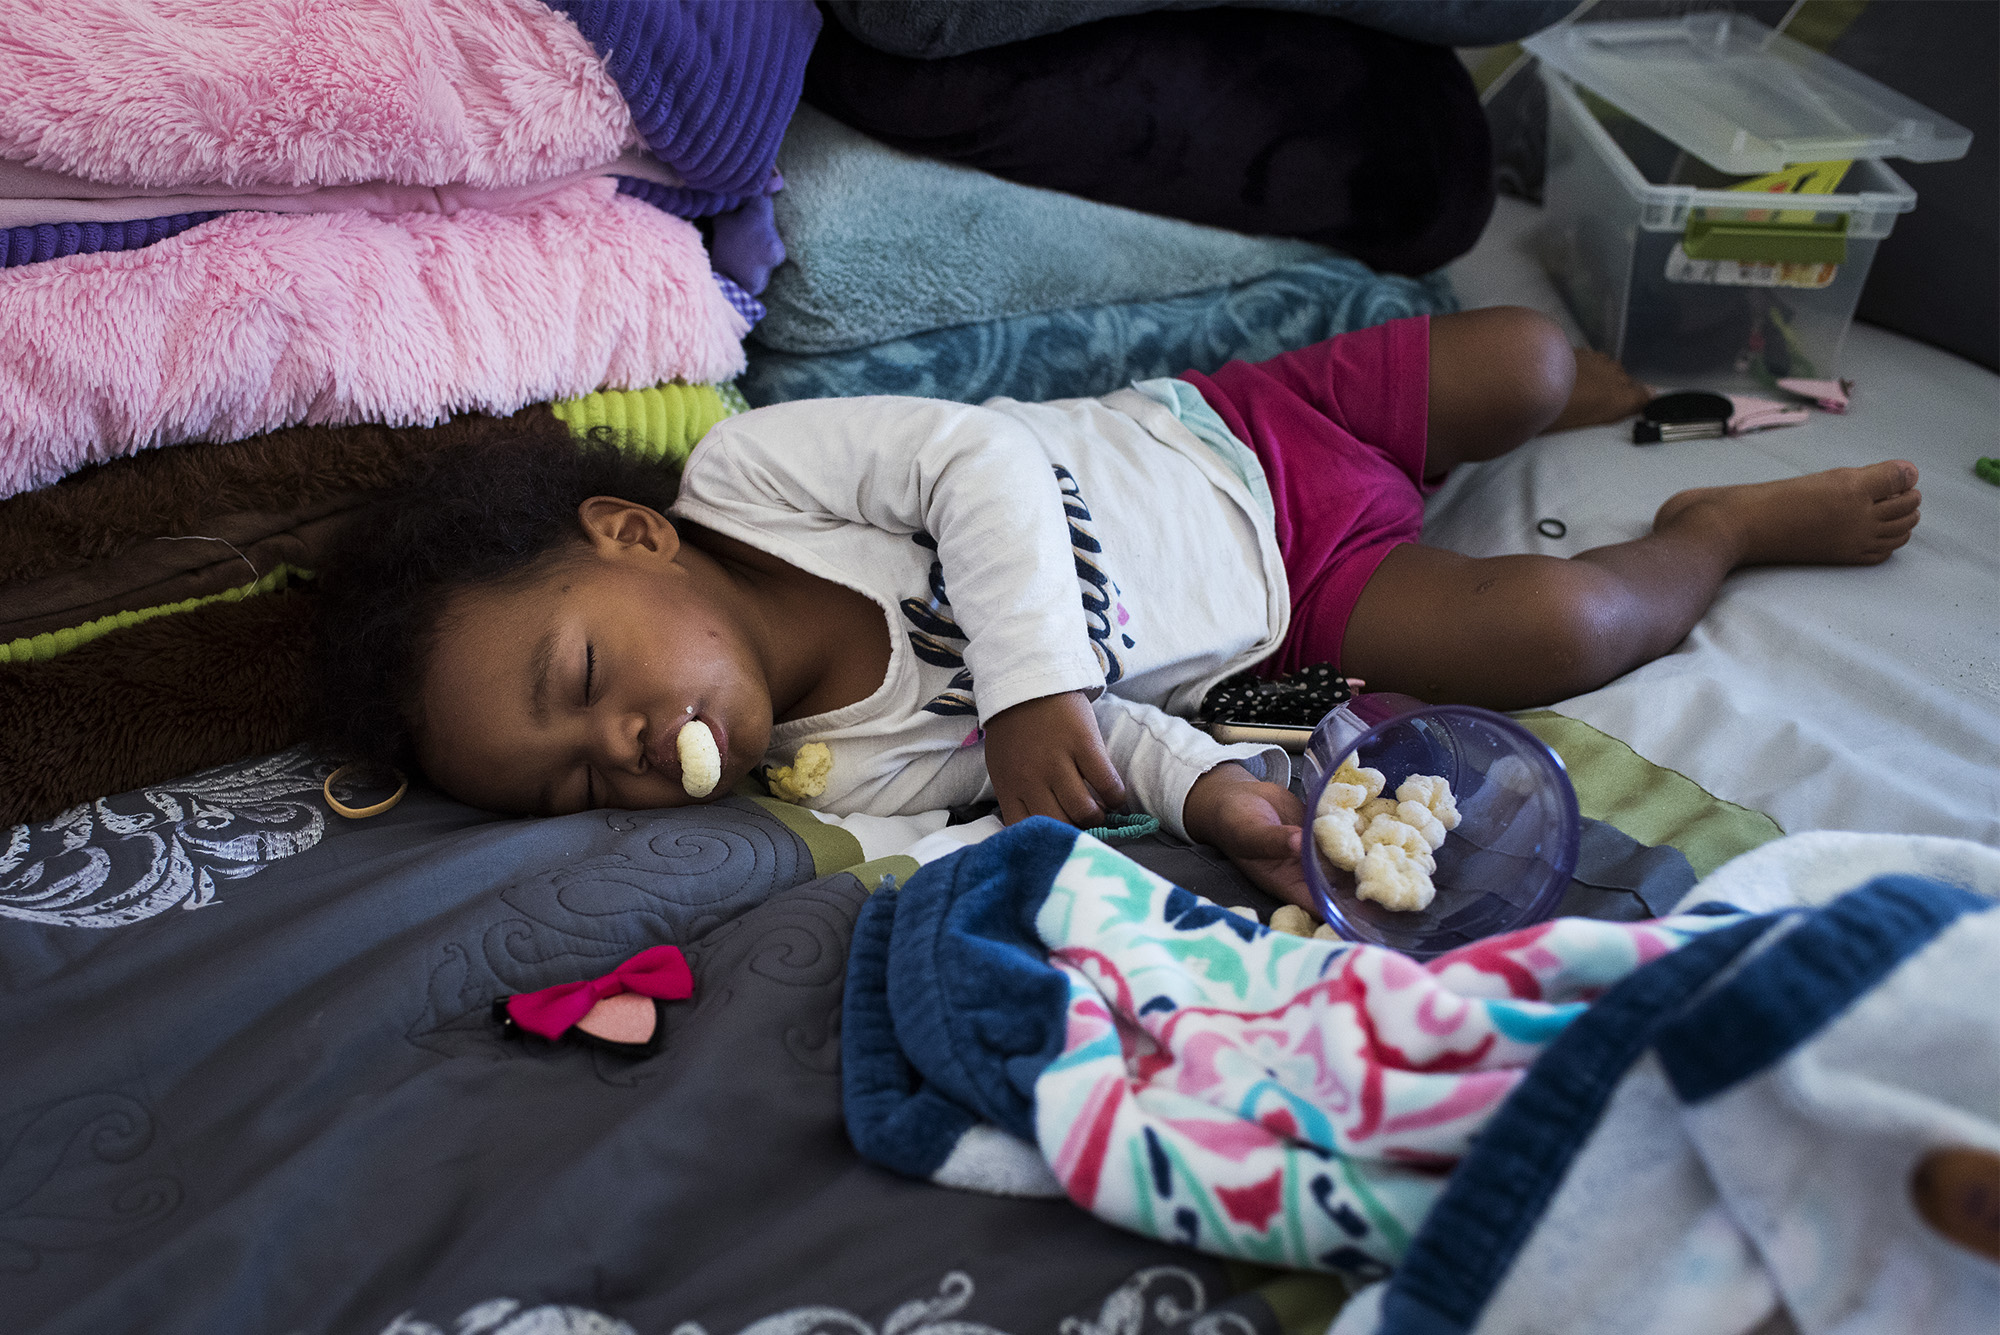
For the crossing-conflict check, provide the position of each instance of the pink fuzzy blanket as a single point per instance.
(298, 92)
(257, 321)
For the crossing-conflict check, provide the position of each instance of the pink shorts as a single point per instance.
(1340, 428)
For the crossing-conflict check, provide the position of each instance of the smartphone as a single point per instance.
(1272, 711)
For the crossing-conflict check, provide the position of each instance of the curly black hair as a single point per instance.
(500, 507)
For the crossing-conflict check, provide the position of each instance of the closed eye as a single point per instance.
(589, 681)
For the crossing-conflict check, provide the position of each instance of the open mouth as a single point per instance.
(663, 756)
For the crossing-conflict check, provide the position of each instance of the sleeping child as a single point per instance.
(1021, 602)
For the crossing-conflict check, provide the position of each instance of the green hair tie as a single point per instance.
(1121, 825)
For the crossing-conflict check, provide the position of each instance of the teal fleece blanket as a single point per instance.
(883, 244)
(1096, 349)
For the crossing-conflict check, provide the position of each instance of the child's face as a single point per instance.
(565, 692)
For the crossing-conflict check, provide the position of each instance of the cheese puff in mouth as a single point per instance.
(701, 762)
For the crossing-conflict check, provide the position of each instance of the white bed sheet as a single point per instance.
(1828, 698)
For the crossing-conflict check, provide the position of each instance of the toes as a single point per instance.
(1901, 526)
(1888, 542)
(1895, 507)
(1889, 477)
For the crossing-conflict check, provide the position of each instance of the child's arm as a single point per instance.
(972, 482)
(1257, 824)
(1074, 759)
(1047, 757)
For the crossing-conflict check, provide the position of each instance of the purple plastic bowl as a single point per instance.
(1508, 862)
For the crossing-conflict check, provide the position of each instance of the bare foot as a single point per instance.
(1844, 516)
(1604, 393)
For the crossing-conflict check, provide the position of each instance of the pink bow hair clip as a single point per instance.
(620, 1011)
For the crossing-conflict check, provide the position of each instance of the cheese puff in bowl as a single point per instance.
(1434, 825)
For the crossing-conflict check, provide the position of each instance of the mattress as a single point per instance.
(254, 1081)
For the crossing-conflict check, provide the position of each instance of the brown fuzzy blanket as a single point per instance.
(195, 688)
(154, 701)
(110, 508)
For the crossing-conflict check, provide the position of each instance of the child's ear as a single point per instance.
(618, 527)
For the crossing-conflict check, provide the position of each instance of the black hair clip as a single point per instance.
(1689, 414)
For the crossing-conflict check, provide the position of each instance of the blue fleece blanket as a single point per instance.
(883, 244)
(1096, 349)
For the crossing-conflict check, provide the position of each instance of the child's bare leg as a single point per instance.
(1502, 374)
(1498, 376)
(1510, 632)
(1605, 392)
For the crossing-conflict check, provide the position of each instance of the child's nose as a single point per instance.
(621, 740)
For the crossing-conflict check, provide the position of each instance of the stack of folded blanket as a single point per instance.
(298, 244)
(1044, 200)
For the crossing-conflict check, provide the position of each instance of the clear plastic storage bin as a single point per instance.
(1682, 279)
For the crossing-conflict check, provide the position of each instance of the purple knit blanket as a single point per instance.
(711, 83)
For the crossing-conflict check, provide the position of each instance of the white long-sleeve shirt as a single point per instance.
(1018, 550)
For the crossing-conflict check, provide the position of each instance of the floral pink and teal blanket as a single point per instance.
(1041, 1013)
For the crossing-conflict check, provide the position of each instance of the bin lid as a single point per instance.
(1742, 98)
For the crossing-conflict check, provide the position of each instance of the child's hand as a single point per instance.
(1259, 825)
(1046, 757)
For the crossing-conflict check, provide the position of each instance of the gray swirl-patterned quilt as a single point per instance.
(253, 1085)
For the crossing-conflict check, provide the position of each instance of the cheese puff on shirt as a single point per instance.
(1017, 551)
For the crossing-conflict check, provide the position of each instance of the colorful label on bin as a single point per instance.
(1801, 178)
(1747, 273)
